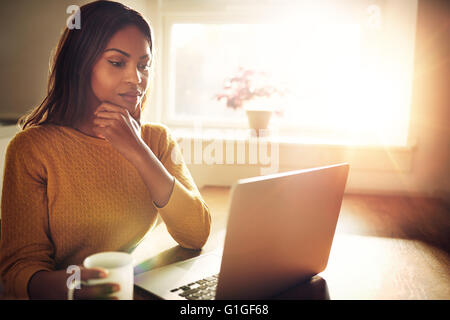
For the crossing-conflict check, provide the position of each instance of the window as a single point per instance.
(347, 66)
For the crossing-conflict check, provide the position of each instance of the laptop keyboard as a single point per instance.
(204, 289)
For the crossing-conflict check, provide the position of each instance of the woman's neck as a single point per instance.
(87, 130)
(86, 125)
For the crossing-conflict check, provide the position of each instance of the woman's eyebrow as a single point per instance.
(125, 53)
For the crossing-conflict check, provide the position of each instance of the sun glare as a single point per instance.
(345, 71)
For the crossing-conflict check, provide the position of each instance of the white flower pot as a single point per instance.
(258, 119)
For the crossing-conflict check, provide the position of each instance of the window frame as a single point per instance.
(170, 19)
(239, 14)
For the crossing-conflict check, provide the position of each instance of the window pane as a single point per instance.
(340, 73)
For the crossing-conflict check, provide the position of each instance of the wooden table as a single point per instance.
(384, 248)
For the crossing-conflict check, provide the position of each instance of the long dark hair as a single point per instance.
(74, 58)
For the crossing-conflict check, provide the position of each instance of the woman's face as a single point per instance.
(120, 75)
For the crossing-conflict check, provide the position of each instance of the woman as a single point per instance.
(83, 175)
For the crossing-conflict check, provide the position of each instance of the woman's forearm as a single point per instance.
(187, 216)
(42, 286)
(156, 177)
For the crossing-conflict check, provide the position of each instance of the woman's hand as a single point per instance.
(122, 129)
(53, 285)
(102, 291)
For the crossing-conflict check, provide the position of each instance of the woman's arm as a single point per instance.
(156, 177)
(169, 182)
(25, 246)
(52, 285)
(173, 190)
(27, 267)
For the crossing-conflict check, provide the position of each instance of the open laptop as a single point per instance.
(279, 232)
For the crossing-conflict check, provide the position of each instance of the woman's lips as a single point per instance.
(130, 99)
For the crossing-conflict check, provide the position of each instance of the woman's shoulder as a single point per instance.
(155, 127)
(157, 136)
(33, 135)
(152, 131)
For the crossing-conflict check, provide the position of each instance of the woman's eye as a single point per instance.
(145, 67)
(120, 64)
(115, 63)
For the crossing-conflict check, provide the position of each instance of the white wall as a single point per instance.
(29, 31)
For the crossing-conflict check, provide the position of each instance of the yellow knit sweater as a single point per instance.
(67, 195)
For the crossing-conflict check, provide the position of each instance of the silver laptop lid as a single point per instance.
(280, 230)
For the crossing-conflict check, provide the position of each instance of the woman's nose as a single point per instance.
(133, 76)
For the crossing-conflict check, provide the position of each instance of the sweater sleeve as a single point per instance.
(25, 245)
(186, 214)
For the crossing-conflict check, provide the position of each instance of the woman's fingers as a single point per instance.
(112, 111)
(93, 273)
(103, 122)
(98, 132)
(115, 124)
(99, 291)
(109, 107)
(108, 115)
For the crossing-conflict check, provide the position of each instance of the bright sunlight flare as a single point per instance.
(348, 77)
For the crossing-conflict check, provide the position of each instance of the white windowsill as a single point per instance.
(287, 140)
(296, 153)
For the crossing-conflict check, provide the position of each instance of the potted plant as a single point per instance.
(251, 89)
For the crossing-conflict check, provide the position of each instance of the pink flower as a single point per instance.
(246, 85)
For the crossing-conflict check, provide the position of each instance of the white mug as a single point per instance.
(120, 270)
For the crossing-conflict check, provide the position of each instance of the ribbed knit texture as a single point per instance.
(67, 195)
